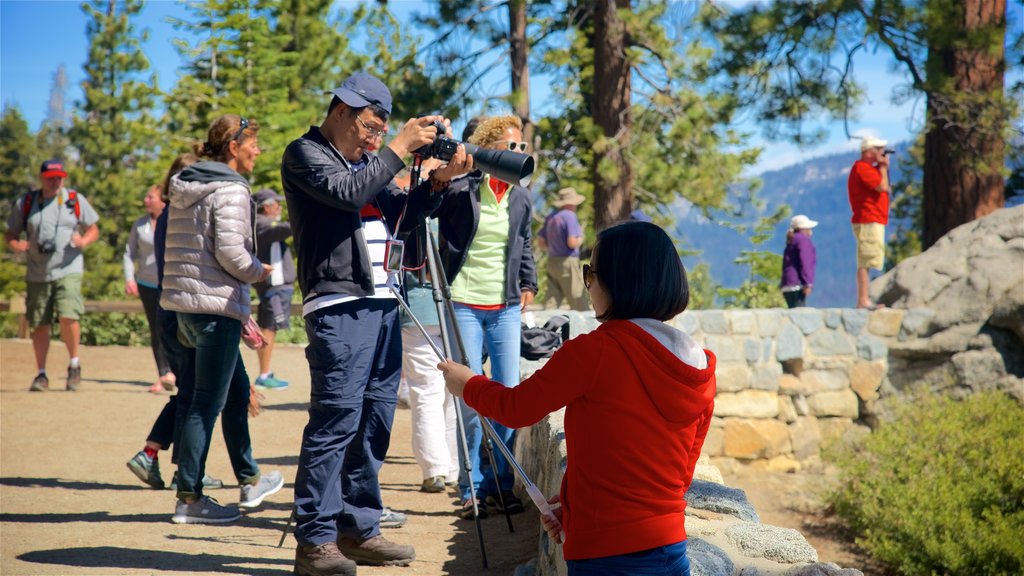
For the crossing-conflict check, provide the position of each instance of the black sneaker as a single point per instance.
(513, 504)
(74, 377)
(40, 384)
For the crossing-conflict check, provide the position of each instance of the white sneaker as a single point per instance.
(252, 495)
(205, 510)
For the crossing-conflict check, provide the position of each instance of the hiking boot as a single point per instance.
(74, 377)
(146, 469)
(271, 382)
(466, 510)
(391, 519)
(513, 504)
(376, 551)
(208, 482)
(322, 560)
(433, 484)
(40, 384)
(205, 510)
(252, 495)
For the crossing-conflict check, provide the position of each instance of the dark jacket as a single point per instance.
(267, 233)
(798, 262)
(458, 218)
(324, 198)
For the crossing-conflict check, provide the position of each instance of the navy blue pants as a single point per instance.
(355, 361)
(167, 428)
(668, 560)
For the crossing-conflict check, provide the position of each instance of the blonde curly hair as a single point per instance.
(492, 129)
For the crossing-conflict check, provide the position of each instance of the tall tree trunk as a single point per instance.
(964, 147)
(520, 52)
(611, 172)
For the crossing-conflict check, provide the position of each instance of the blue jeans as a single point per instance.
(500, 331)
(355, 362)
(668, 560)
(221, 387)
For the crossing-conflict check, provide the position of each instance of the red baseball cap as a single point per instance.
(52, 168)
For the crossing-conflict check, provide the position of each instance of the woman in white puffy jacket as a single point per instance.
(208, 265)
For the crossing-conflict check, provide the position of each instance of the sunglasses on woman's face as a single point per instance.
(516, 146)
(588, 271)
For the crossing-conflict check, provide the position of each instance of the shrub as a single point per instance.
(940, 489)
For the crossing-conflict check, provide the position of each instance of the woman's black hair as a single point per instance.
(640, 270)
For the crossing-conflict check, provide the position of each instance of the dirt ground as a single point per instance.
(68, 504)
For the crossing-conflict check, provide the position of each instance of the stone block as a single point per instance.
(732, 377)
(714, 442)
(769, 322)
(866, 377)
(830, 343)
(841, 430)
(784, 463)
(782, 545)
(791, 385)
(787, 411)
(978, 369)
(708, 473)
(706, 559)
(805, 436)
(842, 403)
(871, 347)
(816, 381)
(751, 439)
(822, 569)
(713, 322)
(833, 318)
(885, 322)
(752, 350)
(789, 344)
(741, 321)
(767, 347)
(687, 322)
(803, 408)
(713, 497)
(854, 320)
(747, 404)
(916, 323)
(766, 377)
(717, 422)
(726, 348)
(808, 320)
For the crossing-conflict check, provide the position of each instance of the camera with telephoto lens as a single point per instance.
(47, 247)
(888, 151)
(505, 165)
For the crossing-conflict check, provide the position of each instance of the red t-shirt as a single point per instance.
(868, 204)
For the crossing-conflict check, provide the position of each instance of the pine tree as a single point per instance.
(115, 136)
(19, 159)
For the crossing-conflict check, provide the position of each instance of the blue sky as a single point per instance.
(38, 36)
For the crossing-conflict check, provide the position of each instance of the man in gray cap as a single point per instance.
(345, 215)
(275, 293)
(562, 237)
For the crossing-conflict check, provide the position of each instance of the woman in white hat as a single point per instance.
(798, 262)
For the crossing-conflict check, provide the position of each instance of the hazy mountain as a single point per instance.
(815, 187)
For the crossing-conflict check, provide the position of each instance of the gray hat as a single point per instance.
(266, 195)
(362, 89)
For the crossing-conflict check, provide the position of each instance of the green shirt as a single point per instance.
(481, 279)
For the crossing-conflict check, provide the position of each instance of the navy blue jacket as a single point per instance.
(458, 218)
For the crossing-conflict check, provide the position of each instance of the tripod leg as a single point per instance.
(467, 463)
(284, 532)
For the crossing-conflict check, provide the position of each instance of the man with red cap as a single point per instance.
(58, 223)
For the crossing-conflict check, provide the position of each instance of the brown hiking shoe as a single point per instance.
(74, 377)
(40, 384)
(376, 551)
(322, 560)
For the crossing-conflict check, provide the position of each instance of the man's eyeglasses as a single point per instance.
(588, 271)
(516, 146)
(243, 123)
(374, 133)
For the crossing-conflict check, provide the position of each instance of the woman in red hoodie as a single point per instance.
(638, 397)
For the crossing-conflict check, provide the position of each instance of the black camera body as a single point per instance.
(888, 151)
(47, 247)
(505, 165)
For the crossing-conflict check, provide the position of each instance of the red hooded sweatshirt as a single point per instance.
(639, 396)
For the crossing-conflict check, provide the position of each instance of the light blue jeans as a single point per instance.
(498, 330)
(668, 560)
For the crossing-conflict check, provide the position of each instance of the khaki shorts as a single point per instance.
(870, 245)
(63, 296)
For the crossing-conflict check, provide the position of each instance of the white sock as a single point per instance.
(74, 362)
(266, 375)
(42, 371)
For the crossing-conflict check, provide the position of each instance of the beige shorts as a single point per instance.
(870, 245)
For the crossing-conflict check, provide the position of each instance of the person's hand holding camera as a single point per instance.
(416, 133)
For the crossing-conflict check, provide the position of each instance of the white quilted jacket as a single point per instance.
(210, 252)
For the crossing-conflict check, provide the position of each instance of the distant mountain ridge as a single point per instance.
(815, 187)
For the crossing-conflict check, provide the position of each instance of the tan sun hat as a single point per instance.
(872, 142)
(801, 222)
(569, 197)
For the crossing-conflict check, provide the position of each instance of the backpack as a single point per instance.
(542, 341)
(30, 199)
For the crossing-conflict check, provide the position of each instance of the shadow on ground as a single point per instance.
(156, 560)
(21, 482)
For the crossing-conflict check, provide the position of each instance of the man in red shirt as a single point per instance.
(868, 188)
